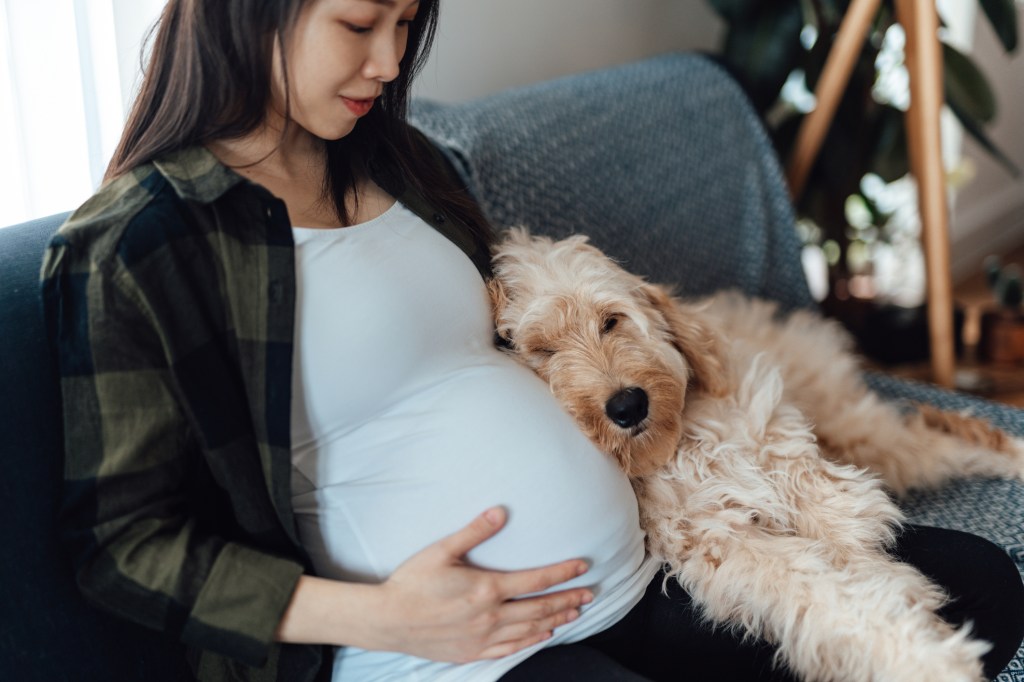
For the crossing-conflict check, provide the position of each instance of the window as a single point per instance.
(67, 71)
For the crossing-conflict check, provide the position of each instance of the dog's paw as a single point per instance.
(960, 662)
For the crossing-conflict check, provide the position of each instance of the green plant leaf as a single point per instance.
(890, 160)
(993, 268)
(814, 61)
(978, 133)
(829, 12)
(733, 10)
(967, 86)
(765, 49)
(1002, 14)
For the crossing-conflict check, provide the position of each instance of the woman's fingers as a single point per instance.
(545, 608)
(459, 612)
(508, 648)
(517, 583)
(528, 627)
(525, 633)
(511, 584)
(482, 528)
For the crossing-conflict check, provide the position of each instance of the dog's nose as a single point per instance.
(628, 407)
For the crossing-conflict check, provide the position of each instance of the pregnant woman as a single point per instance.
(290, 443)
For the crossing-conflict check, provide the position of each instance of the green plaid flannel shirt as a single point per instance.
(169, 298)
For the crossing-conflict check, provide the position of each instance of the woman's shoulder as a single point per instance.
(91, 234)
(140, 209)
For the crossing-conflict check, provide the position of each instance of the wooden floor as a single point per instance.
(996, 382)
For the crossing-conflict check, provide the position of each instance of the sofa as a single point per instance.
(662, 162)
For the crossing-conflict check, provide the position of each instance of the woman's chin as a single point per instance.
(338, 130)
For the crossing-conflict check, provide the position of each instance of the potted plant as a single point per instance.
(777, 50)
(1002, 324)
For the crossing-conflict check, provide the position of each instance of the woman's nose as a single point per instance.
(383, 61)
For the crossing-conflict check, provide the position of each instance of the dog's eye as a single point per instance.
(527, 347)
(609, 324)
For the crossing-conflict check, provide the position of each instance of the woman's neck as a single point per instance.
(290, 155)
(293, 168)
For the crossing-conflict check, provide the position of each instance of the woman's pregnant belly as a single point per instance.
(407, 423)
(487, 435)
(368, 498)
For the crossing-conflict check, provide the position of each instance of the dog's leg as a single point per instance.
(822, 378)
(919, 450)
(872, 620)
(842, 505)
(922, 449)
(758, 456)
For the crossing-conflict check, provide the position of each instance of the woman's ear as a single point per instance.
(693, 337)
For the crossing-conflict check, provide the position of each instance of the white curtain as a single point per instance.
(68, 68)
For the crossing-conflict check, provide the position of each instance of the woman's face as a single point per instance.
(341, 54)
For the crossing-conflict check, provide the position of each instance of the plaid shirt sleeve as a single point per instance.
(138, 549)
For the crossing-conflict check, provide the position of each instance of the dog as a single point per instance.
(760, 460)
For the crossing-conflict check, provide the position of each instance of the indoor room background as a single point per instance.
(68, 69)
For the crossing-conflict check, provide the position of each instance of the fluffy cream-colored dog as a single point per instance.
(758, 457)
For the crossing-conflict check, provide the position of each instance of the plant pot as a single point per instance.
(894, 335)
(1002, 336)
(891, 334)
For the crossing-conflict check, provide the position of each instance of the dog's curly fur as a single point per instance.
(759, 459)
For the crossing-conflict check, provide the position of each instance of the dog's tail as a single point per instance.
(936, 445)
(922, 448)
(966, 427)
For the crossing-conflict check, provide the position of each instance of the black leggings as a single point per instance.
(663, 638)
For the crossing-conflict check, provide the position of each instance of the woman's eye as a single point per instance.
(609, 324)
(356, 29)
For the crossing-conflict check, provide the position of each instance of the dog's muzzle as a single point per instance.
(628, 407)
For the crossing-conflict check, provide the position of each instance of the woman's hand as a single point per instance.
(451, 611)
(436, 606)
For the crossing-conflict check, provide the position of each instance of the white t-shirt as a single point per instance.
(407, 423)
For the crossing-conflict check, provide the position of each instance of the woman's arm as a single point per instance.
(139, 548)
(436, 606)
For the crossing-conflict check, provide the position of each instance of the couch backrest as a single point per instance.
(663, 163)
(47, 630)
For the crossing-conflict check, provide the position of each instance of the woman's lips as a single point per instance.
(359, 107)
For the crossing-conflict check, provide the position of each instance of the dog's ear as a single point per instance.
(693, 338)
(496, 291)
(499, 301)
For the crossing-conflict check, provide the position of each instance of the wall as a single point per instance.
(988, 215)
(488, 45)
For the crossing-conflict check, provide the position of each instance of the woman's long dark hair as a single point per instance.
(209, 78)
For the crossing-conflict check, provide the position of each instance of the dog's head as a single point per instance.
(619, 353)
